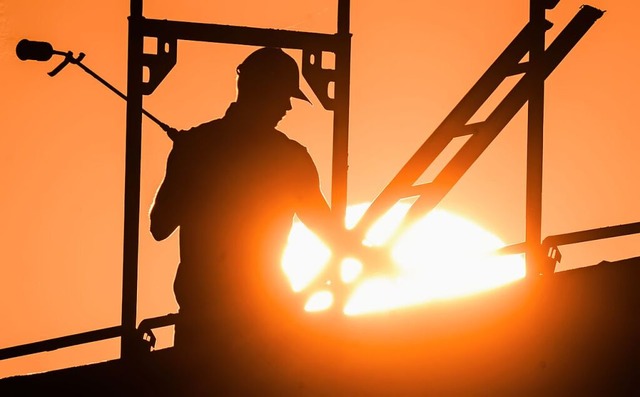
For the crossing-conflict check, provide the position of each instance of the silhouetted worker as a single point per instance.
(233, 185)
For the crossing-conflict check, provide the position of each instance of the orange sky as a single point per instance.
(63, 146)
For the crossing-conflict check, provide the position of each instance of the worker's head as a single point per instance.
(267, 80)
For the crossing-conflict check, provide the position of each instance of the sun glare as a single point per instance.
(304, 257)
(441, 256)
(319, 301)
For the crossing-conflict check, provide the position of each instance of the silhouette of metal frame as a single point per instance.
(541, 256)
(529, 89)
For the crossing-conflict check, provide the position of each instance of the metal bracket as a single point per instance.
(552, 259)
(319, 79)
(68, 58)
(160, 63)
(146, 337)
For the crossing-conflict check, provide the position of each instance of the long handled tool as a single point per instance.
(28, 50)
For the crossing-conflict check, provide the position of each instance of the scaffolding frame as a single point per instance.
(167, 33)
(530, 89)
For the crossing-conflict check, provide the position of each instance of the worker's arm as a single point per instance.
(167, 205)
(315, 213)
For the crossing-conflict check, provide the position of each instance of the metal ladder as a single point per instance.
(480, 134)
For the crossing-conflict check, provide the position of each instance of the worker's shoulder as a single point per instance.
(197, 134)
(205, 129)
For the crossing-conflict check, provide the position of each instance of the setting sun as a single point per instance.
(441, 256)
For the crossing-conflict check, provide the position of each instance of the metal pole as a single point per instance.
(119, 93)
(535, 138)
(59, 343)
(341, 114)
(132, 182)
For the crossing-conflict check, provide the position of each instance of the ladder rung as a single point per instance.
(470, 129)
(412, 191)
(419, 190)
(521, 68)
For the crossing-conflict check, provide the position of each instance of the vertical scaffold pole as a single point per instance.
(340, 164)
(535, 139)
(132, 182)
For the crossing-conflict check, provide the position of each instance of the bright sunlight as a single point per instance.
(441, 256)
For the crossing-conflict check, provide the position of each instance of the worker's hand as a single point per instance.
(172, 133)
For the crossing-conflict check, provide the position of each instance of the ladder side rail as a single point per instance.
(505, 65)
